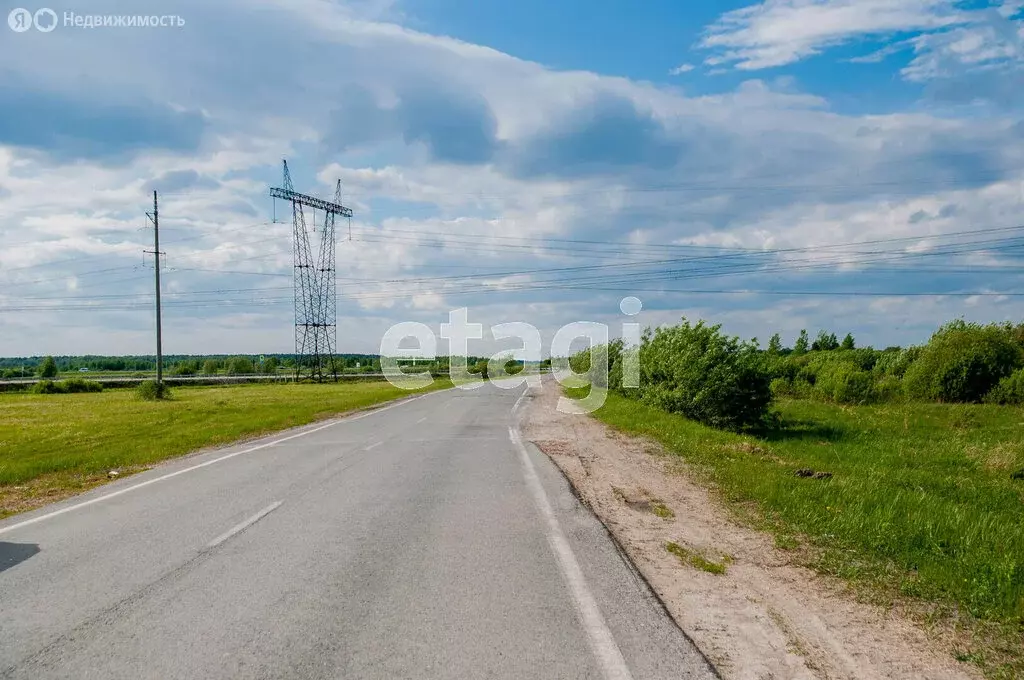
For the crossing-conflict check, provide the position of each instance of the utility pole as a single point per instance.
(156, 255)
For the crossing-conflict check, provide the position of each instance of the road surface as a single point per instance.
(419, 540)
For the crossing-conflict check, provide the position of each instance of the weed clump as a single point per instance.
(696, 560)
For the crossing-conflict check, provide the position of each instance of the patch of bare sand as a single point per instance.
(764, 617)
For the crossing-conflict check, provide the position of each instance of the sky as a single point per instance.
(850, 165)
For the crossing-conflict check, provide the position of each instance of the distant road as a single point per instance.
(420, 540)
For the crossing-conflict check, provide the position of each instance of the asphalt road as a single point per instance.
(421, 540)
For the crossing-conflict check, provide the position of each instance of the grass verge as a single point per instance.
(53, 446)
(921, 509)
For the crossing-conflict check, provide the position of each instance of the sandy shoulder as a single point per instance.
(762, 618)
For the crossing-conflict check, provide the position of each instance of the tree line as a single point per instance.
(175, 365)
(696, 370)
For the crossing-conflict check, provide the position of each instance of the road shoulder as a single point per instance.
(742, 601)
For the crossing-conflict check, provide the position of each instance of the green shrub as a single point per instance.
(513, 367)
(803, 389)
(48, 387)
(962, 362)
(1010, 390)
(844, 383)
(151, 390)
(696, 371)
(241, 366)
(581, 362)
(601, 361)
(73, 385)
(781, 387)
(785, 367)
(864, 357)
(889, 388)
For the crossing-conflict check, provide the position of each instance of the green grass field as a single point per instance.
(54, 445)
(922, 506)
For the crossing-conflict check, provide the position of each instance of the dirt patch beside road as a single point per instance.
(749, 609)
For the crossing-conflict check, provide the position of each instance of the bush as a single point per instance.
(889, 388)
(802, 389)
(843, 382)
(183, 368)
(48, 387)
(73, 385)
(151, 390)
(781, 387)
(696, 371)
(1010, 390)
(864, 357)
(895, 361)
(241, 366)
(785, 367)
(601, 364)
(963, 362)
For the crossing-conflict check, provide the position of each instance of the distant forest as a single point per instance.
(178, 364)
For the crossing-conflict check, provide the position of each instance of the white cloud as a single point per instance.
(994, 46)
(948, 41)
(681, 69)
(779, 32)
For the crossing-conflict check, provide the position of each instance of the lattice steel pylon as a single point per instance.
(315, 286)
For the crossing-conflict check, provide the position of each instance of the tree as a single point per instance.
(802, 343)
(211, 366)
(775, 344)
(48, 369)
(270, 365)
(848, 342)
(241, 366)
(825, 342)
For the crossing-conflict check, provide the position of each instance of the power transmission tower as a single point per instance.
(155, 217)
(315, 289)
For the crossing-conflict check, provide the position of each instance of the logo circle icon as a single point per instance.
(45, 19)
(631, 306)
(20, 20)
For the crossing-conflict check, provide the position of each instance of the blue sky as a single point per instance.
(532, 161)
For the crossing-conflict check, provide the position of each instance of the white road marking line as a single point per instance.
(114, 494)
(421, 420)
(371, 447)
(609, 657)
(239, 528)
(515, 407)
